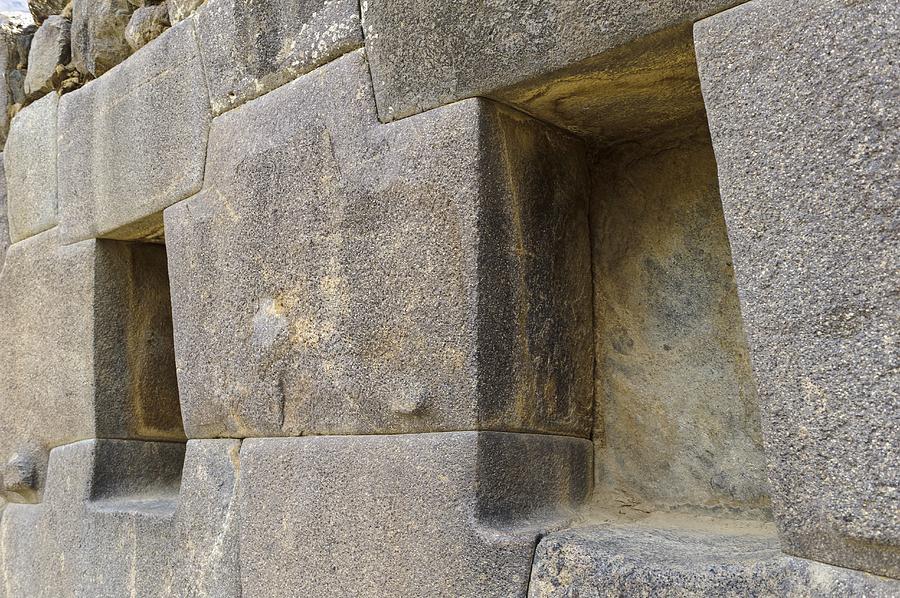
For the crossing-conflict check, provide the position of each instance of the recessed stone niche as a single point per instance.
(676, 420)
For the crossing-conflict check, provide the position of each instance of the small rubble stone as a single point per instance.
(98, 34)
(41, 9)
(182, 9)
(30, 163)
(250, 48)
(50, 48)
(146, 24)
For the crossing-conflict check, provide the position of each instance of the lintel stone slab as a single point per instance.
(84, 351)
(427, 53)
(634, 560)
(134, 141)
(30, 162)
(450, 514)
(120, 517)
(803, 111)
(250, 48)
(338, 276)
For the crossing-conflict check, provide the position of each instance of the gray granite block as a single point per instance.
(98, 34)
(128, 518)
(134, 141)
(453, 514)
(634, 560)
(4, 218)
(340, 276)
(49, 48)
(803, 111)
(250, 48)
(427, 53)
(85, 350)
(29, 159)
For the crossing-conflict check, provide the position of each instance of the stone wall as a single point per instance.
(393, 298)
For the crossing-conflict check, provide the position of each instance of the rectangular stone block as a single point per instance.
(250, 48)
(85, 350)
(336, 275)
(134, 141)
(123, 518)
(454, 514)
(803, 111)
(4, 218)
(427, 53)
(636, 560)
(29, 159)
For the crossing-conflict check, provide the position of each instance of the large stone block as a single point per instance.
(85, 350)
(134, 141)
(4, 219)
(29, 159)
(425, 54)
(636, 560)
(250, 48)
(804, 112)
(455, 514)
(98, 34)
(49, 48)
(123, 518)
(336, 275)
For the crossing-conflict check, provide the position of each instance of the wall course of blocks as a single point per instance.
(347, 299)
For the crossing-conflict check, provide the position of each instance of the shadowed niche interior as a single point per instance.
(677, 426)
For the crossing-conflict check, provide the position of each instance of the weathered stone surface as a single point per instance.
(804, 112)
(676, 414)
(49, 48)
(146, 24)
(98, 34)
(632, 560)
(455, 514)
(85, 346)
(181, 9)
(134, 141)
(29, 159)
(427, 53)
(250, 48)
(4, 219)
(120, 518)
(340, 276)
(41, 9)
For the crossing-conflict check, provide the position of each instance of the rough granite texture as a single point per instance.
(49, 48)
(4, 220)
(333, 278)
(454, 514)
(146, 24)
(41, 9)
(676, 414)
(29, 159)
(121, 518)
(84, 347)
(182, 9)
(250, 48)
(98, 34)
(134, 141)
(631, 560)
(428, 53)
(810, 196)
